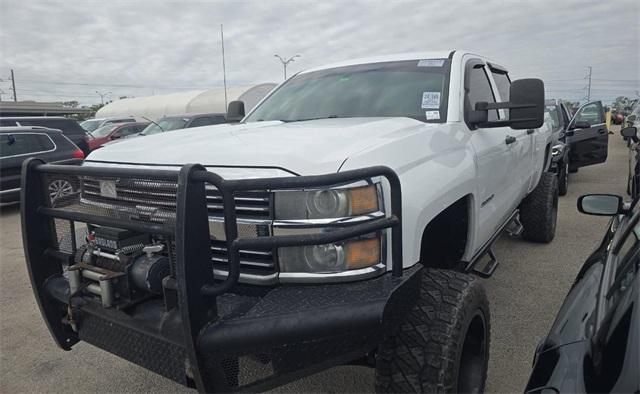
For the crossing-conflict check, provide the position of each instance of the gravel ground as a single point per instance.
(525, 294)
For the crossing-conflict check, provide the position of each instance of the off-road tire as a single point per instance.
(563, 178)
(539, 210)
(425, 353)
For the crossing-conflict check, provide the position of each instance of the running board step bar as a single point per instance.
(489, 267)
(513, 226)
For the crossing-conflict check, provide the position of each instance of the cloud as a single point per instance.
(144, 47)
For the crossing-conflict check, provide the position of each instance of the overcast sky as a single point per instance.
(67, 50)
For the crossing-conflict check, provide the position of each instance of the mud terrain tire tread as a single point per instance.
(423, 355)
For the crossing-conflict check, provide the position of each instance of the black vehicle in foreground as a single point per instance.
(69, 127)
(594, 343)
(579, 140)
(18, 144)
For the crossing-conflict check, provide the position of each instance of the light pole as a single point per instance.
(286, 62)
(102, 96)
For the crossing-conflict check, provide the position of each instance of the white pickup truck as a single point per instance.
(340, 221)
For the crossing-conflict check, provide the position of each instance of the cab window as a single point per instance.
(479, 89)
(503, 83)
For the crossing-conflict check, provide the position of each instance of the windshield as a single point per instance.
(91, 125)
(103, 131)
(165, 124)
(415, 89)
(553, 113)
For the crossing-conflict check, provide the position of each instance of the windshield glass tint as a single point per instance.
(165, 124)
(393, 89)
(103, 131)
(90, 125)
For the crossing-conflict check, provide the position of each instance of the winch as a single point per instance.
(120, 266)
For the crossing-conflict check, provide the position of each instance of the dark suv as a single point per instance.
(18, 144)
(579, 141)
(69, 127)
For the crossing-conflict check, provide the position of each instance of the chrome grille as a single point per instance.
(162, 196)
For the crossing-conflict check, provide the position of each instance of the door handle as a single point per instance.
(530, 131)
(510, 140)
(600, 131)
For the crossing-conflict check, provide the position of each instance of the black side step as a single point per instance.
(492, 264)
(489, 267)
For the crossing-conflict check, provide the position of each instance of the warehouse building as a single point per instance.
(192, 102)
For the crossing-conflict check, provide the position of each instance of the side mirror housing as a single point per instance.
(631, 118)
(235, 111)
(630, 132)
(526, 104)
(581, 124)
(600, 204)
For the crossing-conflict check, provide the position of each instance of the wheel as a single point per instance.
(539, 210)
(443, 344)
(563, 178)
(60, 188)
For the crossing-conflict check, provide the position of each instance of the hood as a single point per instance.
(305, 148)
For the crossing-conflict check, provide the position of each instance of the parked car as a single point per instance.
(634, 117)
(18, 144)
(617, 117)
(91, 124)
(365, 194)
(579, 140)
(69, 127)
(114, 131)
(176, 122)
(630, 134)
(594, 344)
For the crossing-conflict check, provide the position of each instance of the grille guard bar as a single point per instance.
(195, 282)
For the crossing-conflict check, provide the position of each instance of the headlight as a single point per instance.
(326, 203)
(330, 258)
(557, 150)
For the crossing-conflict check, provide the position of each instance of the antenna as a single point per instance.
(224, 70)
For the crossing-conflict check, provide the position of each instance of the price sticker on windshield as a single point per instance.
(431, 63)
(431, 100)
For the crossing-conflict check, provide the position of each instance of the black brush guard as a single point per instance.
(216, 334)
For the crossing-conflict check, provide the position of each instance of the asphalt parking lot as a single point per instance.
(525, 293)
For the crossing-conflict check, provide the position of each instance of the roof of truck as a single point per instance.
(386, 58)
(443, 54)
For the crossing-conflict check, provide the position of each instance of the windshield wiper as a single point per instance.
(144, 117)
(304, 120)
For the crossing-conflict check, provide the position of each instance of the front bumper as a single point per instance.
(216, 335)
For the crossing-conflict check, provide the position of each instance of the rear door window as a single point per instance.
(23, 144)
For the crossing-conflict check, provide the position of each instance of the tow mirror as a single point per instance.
(525, 105)
(600, 204)
(235, 111)
(630, 132)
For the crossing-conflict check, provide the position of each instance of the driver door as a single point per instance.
(587, 136)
